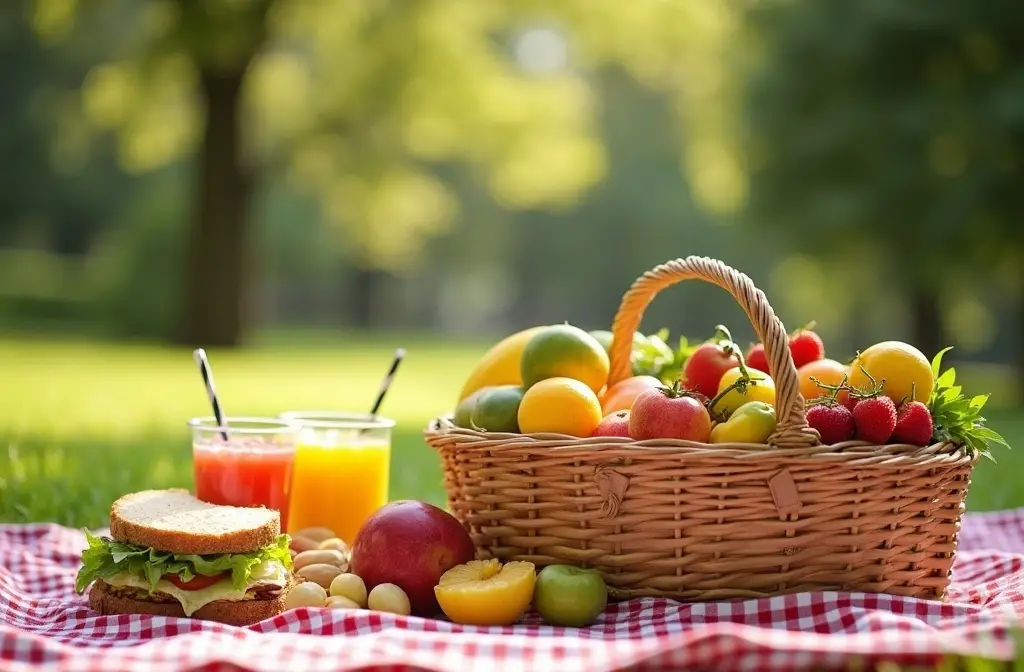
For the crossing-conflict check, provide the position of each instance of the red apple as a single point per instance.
(614, 424)
(664, 413)
(410, 544)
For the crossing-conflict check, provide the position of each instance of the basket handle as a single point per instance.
(792, 430)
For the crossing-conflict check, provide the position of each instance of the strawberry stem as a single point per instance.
(834, 390)
(807, 327)
(876, 387)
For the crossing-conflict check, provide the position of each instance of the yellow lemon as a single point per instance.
(500, 364)
(761, 388)
(900, 368)
(560, 405)
(565, 351)
(485, 592)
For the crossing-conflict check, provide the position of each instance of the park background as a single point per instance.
(302, 186)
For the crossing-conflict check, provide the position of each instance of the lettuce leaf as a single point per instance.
(105, 557)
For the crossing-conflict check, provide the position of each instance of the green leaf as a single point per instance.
(947, 378)
(958, 418)
(105, 557)
(937, 361)
(989, 434)
(979, 401)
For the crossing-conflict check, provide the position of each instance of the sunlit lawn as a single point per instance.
(83, 422)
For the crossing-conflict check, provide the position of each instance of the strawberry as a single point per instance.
(913, 424)
(806, 346)
(757, 359)
(833, 421)
(875, 419)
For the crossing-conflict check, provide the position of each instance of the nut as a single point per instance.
(336, 544)
(328, 557)
(300, 544)
(390, 598)
(349, 586)
(338, 602)
(319, 573)
(317, 534)
(305, 595)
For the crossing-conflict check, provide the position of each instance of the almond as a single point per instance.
(321, 574)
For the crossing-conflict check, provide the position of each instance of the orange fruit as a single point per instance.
(900, 368)
(620, 396)
(828, 371)
(485, 592)
(560, 405)
(565, 351)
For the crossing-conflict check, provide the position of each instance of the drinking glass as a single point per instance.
(341, 470)
(247, 462)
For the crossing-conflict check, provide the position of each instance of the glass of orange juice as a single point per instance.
(340, 471)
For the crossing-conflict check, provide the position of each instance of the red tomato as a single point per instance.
(198, 581)
(704, 369)
(669, 414)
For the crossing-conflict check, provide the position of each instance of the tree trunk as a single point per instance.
(218, 257)
(927, 322)
(363, 295)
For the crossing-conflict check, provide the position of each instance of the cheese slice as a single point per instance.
(193, 600)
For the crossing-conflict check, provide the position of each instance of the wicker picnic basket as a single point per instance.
(693, 521)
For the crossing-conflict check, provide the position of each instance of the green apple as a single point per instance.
(569, 596)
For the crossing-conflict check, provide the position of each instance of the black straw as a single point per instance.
(386, 383)
(199, 355)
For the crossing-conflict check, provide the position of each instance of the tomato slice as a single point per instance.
(198, 581)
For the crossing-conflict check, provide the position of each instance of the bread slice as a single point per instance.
(175, 521)
(244, 612)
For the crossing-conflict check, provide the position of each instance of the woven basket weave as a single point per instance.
(693, 521)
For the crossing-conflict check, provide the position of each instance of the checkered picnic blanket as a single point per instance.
(45, 626)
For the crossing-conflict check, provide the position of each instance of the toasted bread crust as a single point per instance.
(246, 612)
(173, 520)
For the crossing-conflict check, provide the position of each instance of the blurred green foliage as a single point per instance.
(896, 138)
(480, 167)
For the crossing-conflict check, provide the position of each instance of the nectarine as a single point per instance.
(410, 544)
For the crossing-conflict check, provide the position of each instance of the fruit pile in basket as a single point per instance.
(555, 379)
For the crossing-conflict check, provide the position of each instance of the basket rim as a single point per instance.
(937, 454)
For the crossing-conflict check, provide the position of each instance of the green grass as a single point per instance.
(82, 422)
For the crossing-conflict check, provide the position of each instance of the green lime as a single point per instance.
(497, 409)
(569, 596)
(464, 411)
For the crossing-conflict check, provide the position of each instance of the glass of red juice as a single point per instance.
(246, 462)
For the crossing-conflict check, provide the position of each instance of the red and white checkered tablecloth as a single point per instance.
(45, 626)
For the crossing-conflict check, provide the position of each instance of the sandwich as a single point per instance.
(170, 554)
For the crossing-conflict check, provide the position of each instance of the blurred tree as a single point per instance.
(49, 200)
(893, 131)
(361, 102)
